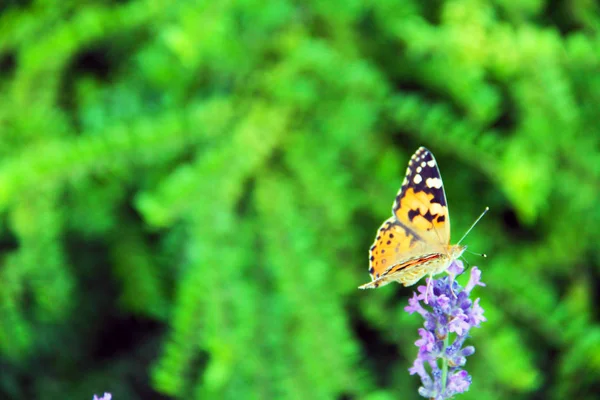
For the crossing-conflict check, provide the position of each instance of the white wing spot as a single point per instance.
(431, 163)
(423, 164)
(417, 179)
(419, 169)
(433, 182)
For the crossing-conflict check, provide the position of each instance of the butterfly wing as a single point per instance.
(394, 244)
(421, 202)
(419, 228)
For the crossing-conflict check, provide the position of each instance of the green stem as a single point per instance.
(445, 364)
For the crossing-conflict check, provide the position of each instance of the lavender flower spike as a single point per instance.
(107, 396)
(451, 316)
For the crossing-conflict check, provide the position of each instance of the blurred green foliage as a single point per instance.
(189, 190)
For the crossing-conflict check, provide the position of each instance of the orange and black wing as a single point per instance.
(421, 202)
(394, 244)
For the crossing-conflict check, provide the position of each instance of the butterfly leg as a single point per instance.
(451, 278)
(427, 288)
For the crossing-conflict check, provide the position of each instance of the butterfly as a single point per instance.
(415, 241)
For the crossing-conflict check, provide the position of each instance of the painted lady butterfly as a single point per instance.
(415, 241)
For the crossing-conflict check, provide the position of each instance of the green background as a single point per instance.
(188, 193)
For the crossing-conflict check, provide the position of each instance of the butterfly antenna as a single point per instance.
(474, 223)
(477, 254)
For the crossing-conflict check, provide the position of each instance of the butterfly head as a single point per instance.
(455, 251)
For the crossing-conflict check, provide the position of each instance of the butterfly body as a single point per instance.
(411, 271)
(415, 241)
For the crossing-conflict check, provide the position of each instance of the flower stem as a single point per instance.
(445, 365)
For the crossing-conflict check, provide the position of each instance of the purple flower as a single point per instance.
(449, 314)
(107, 396)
